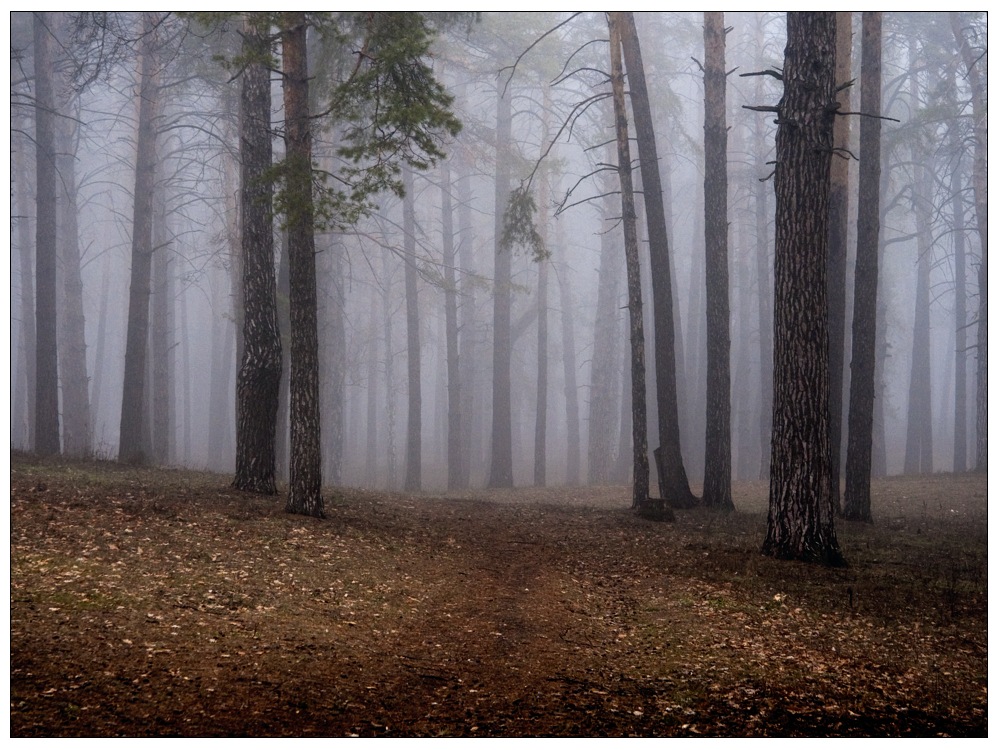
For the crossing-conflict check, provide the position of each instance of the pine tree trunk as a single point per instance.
(857, 483)
(305, 463)
(542, 372)
(673, 479)
(455, 456)
(23, 408)
(160, 344)
(980, 192)
(501, 462)
(836, 278)
(801, 513)
(133, 433)
(566, 319)
(259, 379)
(718, 427)
(960, 459)
(414, 399)
(640, 459)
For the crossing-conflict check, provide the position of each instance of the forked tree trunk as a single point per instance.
(857, 482)
(801, 513)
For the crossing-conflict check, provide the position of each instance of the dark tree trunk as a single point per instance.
(718, 491)
(46, 367)
(801, 513)
(836, 275)
(501, 463)
(456, 459)
(640, 458)
(282, 428)
(857, 483)
(973, 64)
(305, 462)
(673, 480)
(259, 379)
(133, 433)
(414, 401)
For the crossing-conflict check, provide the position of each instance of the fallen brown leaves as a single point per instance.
(155, 602)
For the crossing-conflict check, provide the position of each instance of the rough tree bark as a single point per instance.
(133, 427)
(801, 514)
(259, 380)
(857, 482)
(305, 462)
(718, 491)
(673, 480)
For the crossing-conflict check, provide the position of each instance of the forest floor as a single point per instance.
(154, 602)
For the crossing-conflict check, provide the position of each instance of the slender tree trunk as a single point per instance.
(918, 457)
(160, 339)
(857, 484)
(542, 373)
(673, 479)
(718, 426)
(390, 375)
(414, 399)
(640, 459)
(258, 382)
(133, 429)
(470, 344)
(801, 512)
(455, 458)
(305, 465)
(283, 427)
(24, 405)
(371, 405)
(501, 463)
(973, 65)
(960, 458)
(566, 319)
(100, 359)
(836, 275)
(764, 303)
(46, 367)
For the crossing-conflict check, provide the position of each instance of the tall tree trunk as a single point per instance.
(606, 355)
(718, 427)
(334, 381)
(305, 464)
(75, 384)
(857, 483)
(390, 375)
(501, 462)
(470, 343)
(960, 459)
(133, 429)
(371, 405)
(542, 373)
(673, 479)
(24, 406)
(160, 339)
(258, 382)
(46, 367)
(836, 275)
(282, 428)
(566, 319)
(919, 440)
(801, 512)
(973, 64)
(455, 445)
(640, 459)
(764, 304)
(414, 400)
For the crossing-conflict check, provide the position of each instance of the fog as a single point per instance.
(560, 140)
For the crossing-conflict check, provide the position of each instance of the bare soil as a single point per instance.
(153, 602)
